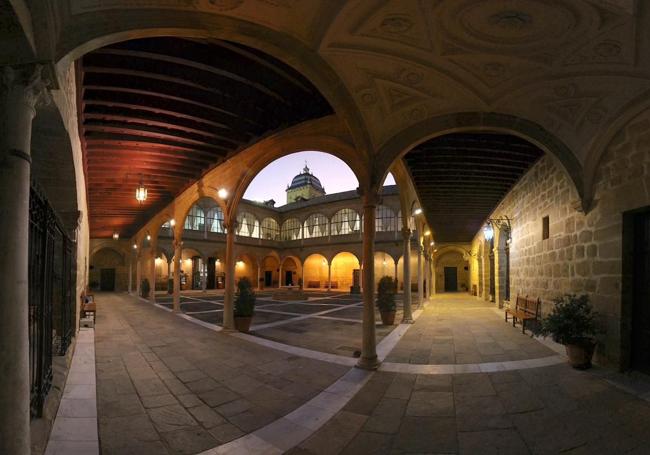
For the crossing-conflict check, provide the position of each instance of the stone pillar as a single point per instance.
(396, 275)
(280, 276)
(152, 283)
(138, 272)
(229, 268)
(420, 277)
(486, 273)
(499, 275)
(169, 275)
(329, 276)
(368, 359)
(204, 274)
(131, 275)
(20, 91)
(408, 313)
(178, 252)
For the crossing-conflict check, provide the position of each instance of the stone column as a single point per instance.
(154, 247)
(329, 276)
(20, 91)
(229, 268)
(420, 277)
(259, 274)
(280, 276)
(204, 274)
(499, 275)
(169, 275)
(368, 359)
(396, 275)
(130, 275)
(178, 252)
(138, 272)
(408, 313)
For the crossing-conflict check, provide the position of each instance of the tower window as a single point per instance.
(545, 228)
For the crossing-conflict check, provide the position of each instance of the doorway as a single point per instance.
(288, 278)
(451, 279)
(268, 278)
(637, 245)
(107, 280)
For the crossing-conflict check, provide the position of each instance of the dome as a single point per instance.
(306, 178)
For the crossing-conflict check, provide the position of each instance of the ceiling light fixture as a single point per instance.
(172, 222)
(116, 236)
(141, 192)
(417, 211)
(222, 193)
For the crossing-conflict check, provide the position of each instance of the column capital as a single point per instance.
(406, 233)
(228, 225)
(31, 79)
(177, 244)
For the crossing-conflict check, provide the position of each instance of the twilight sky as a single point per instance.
(272, 181)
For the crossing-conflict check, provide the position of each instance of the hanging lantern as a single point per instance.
(141, 193)
(116, 236)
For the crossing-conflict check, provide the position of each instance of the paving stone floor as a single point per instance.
(166, 386)
(338, 314)
(547, 410)
(458, 328)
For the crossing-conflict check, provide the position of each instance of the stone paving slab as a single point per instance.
(166, 386)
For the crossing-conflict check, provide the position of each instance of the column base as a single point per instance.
(407, 321)
(368, 363)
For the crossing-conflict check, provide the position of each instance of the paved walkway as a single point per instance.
(165, 385)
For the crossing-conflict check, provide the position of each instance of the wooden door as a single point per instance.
(451, 279)
(641, 305)
(107, 279)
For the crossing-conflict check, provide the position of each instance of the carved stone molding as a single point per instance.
(28, 78)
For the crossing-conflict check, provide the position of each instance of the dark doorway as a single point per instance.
(268, 278)
(288, 278)
(640, 353)
(211, 282)
(451, 279)
(107, 279)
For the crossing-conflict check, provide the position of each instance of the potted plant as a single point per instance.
(244, 305)
(572, 322)
(145, 288)
(386, 300)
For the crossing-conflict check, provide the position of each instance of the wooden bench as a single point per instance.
(525, 310)
(333, 284)
(313, 284)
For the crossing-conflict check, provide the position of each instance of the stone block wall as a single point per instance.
(583, 253)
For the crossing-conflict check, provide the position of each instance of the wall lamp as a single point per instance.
(503, 224)
(417, 211)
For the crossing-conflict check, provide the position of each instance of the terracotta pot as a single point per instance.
(387, 317)
(243, 323)
(580, 353)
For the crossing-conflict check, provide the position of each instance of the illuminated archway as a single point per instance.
(315, 269)
(269, 273)
(343, 266)
(290, 271)
(384, 266)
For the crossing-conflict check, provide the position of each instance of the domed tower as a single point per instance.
(304, 186)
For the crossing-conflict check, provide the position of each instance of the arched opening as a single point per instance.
(413, 269)
(315, 272)
(346, 221)
(108, 271)
(384, 266)
(269, 229)
(245, 266)
(316, 225)
(346, 271)
(452, 272)
(291, 229)
(290, 271)
(163, 272)
(247, 225)
(270, 272)
(192, 269)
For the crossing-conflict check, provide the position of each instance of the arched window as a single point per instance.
(345, 221)
(247, 225)
(195, 220)
(270, 229)
(291, 229)
(385, 220)
(214, 217)
(411, 222)
(316, 225)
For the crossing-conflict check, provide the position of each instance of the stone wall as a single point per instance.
(583, 253)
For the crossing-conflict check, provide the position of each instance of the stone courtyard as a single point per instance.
(171, 385)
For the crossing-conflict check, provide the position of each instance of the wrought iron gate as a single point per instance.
(52, 283)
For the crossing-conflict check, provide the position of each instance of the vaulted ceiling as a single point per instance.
(461, 178)
(165, 110)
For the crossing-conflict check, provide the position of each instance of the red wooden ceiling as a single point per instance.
(167, 109)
